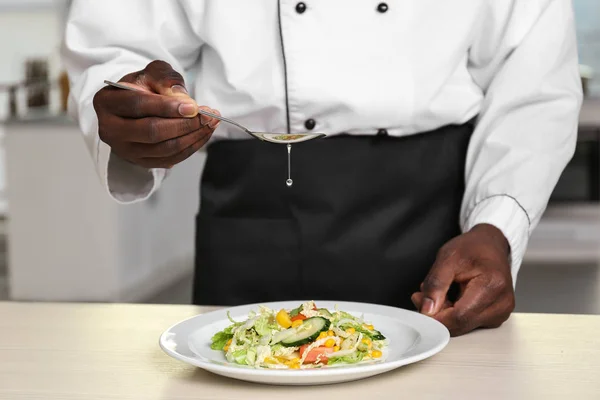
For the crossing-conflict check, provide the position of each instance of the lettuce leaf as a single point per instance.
(220, 339)
(231, 319)
(265, 324)
(240, 356)
(373, 335)
(251, 356)
(349, 359)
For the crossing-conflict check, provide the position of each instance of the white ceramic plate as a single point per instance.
(412, 337)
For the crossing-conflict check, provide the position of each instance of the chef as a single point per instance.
(449, 124)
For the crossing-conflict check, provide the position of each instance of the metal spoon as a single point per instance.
(282, 138)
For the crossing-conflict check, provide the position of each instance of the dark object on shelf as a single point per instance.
(64, 91)
(587, 74)
(12, 99)
(38, 95)
(580, 181)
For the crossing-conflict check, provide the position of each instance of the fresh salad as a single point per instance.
(305, 337)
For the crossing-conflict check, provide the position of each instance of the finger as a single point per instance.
(446, 317)
(436, 285)
(209, 121)
(469, 312)
(476, 296)
(171, 147)
(163, 79)
(168, 162)
(495, 315)
(113, 129)
(479, 294)
(417, 300)
(159, 130)
(491, 317)
(128, 104)
(158, 77)
(135, 86)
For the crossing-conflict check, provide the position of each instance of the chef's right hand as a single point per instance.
(156, 128)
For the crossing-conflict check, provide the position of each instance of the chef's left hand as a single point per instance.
(478, 263)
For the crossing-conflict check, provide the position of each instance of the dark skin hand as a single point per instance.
(477, 262)
(158, 128)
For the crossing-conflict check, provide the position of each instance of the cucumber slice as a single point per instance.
(307, 332)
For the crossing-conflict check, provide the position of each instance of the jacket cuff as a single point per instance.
(506, 214)
(127, 183)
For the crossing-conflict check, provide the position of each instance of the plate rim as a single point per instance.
(249, 373)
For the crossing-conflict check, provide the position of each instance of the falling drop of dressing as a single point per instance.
(289, 181)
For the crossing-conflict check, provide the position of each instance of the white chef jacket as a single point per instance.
(352, 68)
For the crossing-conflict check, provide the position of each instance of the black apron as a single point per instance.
(363, 220)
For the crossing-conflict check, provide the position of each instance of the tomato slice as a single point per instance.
(299, 317)
(314, 353)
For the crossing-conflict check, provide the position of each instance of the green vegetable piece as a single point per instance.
(325, 312)
(307, 332)
(353, 358)
(220, 339)
(295, 311)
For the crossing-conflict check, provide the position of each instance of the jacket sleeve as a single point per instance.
(106, 40)
(525, 60)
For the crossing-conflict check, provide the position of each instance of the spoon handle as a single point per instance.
(209, 114)
(229, 121)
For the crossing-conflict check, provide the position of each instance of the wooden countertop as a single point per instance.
(110, 351)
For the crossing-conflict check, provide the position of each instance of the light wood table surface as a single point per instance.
(110, 351)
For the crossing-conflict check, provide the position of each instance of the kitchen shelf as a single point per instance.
(28, 5)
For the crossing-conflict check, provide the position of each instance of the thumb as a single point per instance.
(161, 78)
(436, 285)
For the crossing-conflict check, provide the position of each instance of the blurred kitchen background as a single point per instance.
(63, 239)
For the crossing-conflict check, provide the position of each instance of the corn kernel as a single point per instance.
(329, 343)
(226, 348)
(376, 354)
(369, 327)
(295, 366)
(296, 323)
(336, 348)
(283, 319)
(366, 341)
(322, 335)
(229, 341)
(330, 333)
(350, 330)
(289, 363)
